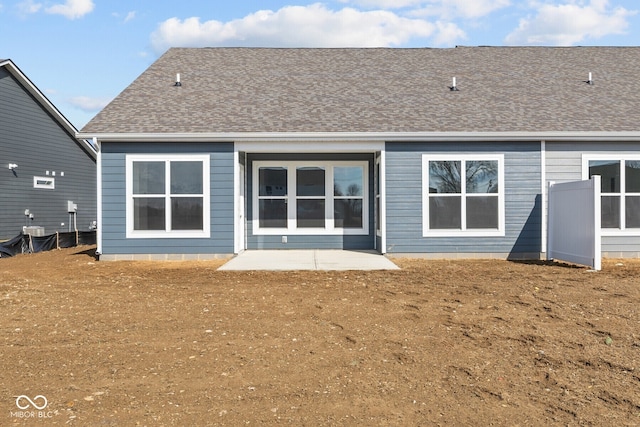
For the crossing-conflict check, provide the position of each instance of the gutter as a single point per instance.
(264, 137)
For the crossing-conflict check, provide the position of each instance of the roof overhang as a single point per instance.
(46, 104)
(364, 137)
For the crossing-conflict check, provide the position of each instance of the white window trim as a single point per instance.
(622, 157)
(154, 234)
(427, 232)
(50, 185)
(377, 179)
(291, 228)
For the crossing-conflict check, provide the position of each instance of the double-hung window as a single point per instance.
(620, 191)
(310, 197)
(167, 196)
(463, 195)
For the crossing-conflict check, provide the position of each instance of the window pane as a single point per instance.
(632, 176)
(444, 213)
(609, 170)
(444, 177)
(482, 176)
(148, 213)
(148, 178)
(186, 177)
(273, 181)
(273, 213)
(347, 181)
(610, 208)
(347, 213)
(482, 212)
(186, 213)
(310, 213)
(632, 214)
(310, 181)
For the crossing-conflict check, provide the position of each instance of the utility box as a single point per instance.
(72, 207)
(33, 230)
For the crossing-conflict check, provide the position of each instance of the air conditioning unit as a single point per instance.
(33, 230)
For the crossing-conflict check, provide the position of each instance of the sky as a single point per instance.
(83, 53)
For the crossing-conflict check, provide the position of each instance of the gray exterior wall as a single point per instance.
(563, 162)
(522, 201)
(114, 241)
(36, 142)
(309, 241)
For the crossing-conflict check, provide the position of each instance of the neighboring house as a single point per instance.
(436, 152)
(43, 166)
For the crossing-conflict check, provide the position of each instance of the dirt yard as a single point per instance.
(436, 343)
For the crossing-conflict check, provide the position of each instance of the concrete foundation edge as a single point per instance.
(164, 257)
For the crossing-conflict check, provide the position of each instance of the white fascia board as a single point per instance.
(317, 146)
(44, 101)
(363, 137)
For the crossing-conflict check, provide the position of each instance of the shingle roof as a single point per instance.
(501, 89)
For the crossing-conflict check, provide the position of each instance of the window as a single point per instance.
(619, 189)
(463, 195)
(348, 196)
(44, 182)
(310, 198)
(167, 196)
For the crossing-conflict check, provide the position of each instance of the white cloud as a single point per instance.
(384, 4)
(89, 104)
(130, 16)
(72, 9)
(29, 6)
(448, 34)
(468, 9)
(570, 23)
(301, 26)
(472, 9)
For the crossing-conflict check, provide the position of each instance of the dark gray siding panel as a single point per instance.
(35, 141)
(404, 200)
(114, 241)
(309, 241)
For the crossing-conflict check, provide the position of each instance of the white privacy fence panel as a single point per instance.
(574, 222)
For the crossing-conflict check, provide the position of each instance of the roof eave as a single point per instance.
(364, 136)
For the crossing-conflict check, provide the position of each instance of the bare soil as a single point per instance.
(435, 343)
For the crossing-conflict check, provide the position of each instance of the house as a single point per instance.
(48, 177)
(429, 152)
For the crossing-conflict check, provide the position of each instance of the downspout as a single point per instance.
(383, 201)
(543, 197)
(99, 197)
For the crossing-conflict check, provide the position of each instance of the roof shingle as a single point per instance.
(501, 89)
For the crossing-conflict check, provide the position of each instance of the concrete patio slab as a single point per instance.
(309, 260)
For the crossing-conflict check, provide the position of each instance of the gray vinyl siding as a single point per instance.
(522, 200)
(36, 142)
(563, 162)
(316, 241)
(114, 240)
